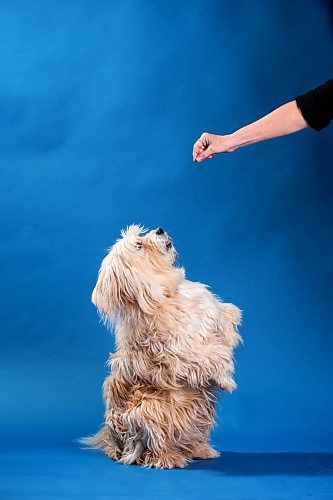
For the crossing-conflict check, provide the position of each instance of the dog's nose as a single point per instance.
(159, 230)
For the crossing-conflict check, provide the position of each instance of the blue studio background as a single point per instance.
(100, 104)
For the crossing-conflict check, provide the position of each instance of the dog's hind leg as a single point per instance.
(132, 451)
(194, 438)
(203, 452)
(112, 435)
(150, 424)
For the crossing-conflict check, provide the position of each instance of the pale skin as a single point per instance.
(286, 119)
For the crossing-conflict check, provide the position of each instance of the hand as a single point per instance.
(209, 145)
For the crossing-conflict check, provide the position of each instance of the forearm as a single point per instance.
(284, 120)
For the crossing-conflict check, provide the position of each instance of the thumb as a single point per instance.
(205, 154)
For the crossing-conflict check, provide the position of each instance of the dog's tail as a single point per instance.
(98, 441)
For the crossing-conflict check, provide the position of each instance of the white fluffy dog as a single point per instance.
(175, 344)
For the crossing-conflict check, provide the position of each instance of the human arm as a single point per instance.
(313, 109)
(284, 120)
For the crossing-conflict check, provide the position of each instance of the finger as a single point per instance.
(201, 146)
(204, 136)
(197, 149)
(194, 151)
(198, 146)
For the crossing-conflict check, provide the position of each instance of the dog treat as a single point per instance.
(174, 349)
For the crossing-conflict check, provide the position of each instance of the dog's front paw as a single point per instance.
(224, 383)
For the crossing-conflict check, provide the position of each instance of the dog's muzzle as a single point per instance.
(168, 241)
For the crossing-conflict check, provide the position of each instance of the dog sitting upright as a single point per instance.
(174, 343)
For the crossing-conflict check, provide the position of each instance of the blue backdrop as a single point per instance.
(100, 104)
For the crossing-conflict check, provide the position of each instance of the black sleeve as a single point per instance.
(316, 106)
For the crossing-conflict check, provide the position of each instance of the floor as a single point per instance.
(71, 473)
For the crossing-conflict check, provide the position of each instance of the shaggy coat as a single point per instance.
(174, 349)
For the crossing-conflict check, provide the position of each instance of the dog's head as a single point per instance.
(137, 273)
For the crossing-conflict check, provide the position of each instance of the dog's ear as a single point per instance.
(120, 287)
(133, 231)
(147, 293)
(105, 295)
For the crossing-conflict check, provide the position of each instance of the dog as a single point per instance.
(174, 350)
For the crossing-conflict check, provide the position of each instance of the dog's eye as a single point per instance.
(138, 245)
